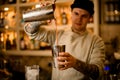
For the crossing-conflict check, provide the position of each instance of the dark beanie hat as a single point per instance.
(84, 4)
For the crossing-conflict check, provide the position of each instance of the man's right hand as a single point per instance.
(32, 27)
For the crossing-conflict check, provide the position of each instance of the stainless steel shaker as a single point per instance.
(39, 14)
(55, 53)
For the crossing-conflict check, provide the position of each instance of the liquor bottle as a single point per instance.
(8, 43)
(107, 17)
(112, 18)
(117, 19)
(32, 42)
(1, 19)
(14, 43)
(1, 41)
(37, 45)
(64, 18)
(107, 70)
(22, 44)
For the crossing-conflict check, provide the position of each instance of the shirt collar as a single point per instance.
(79, 33)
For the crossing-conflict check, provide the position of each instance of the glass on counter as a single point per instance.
(32, 72)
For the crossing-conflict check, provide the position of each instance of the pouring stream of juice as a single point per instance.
(55, 23)
(56, 43)
(56, 32)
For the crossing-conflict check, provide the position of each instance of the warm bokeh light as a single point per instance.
(6, 27)
(2, 37)
(116, 11)
(6, 9)
(37, 6)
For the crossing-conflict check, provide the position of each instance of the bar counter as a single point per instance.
(29, 52)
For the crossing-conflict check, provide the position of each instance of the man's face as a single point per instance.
(80, 18)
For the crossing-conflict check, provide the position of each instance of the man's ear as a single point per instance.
(91, 19)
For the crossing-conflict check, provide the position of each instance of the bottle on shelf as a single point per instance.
(107, 17)
(22, 44)
(112, 18)
(32, 44)
(14, 43)
(112, 12)
(64, 18)
(8, 43)
(1, 19)
(107, 71)
(37, 45)
(1, 41)
(117, 18)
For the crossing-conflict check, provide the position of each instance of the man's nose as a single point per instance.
(80, 18)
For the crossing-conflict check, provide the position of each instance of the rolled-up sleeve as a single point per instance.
(98, 55)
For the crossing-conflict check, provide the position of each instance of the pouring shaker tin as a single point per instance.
(39, 14)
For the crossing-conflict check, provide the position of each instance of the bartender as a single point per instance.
(85, 52)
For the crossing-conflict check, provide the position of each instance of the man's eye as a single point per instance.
(85, 16)
(76, 13)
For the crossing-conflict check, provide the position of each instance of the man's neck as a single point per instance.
(78, 32)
